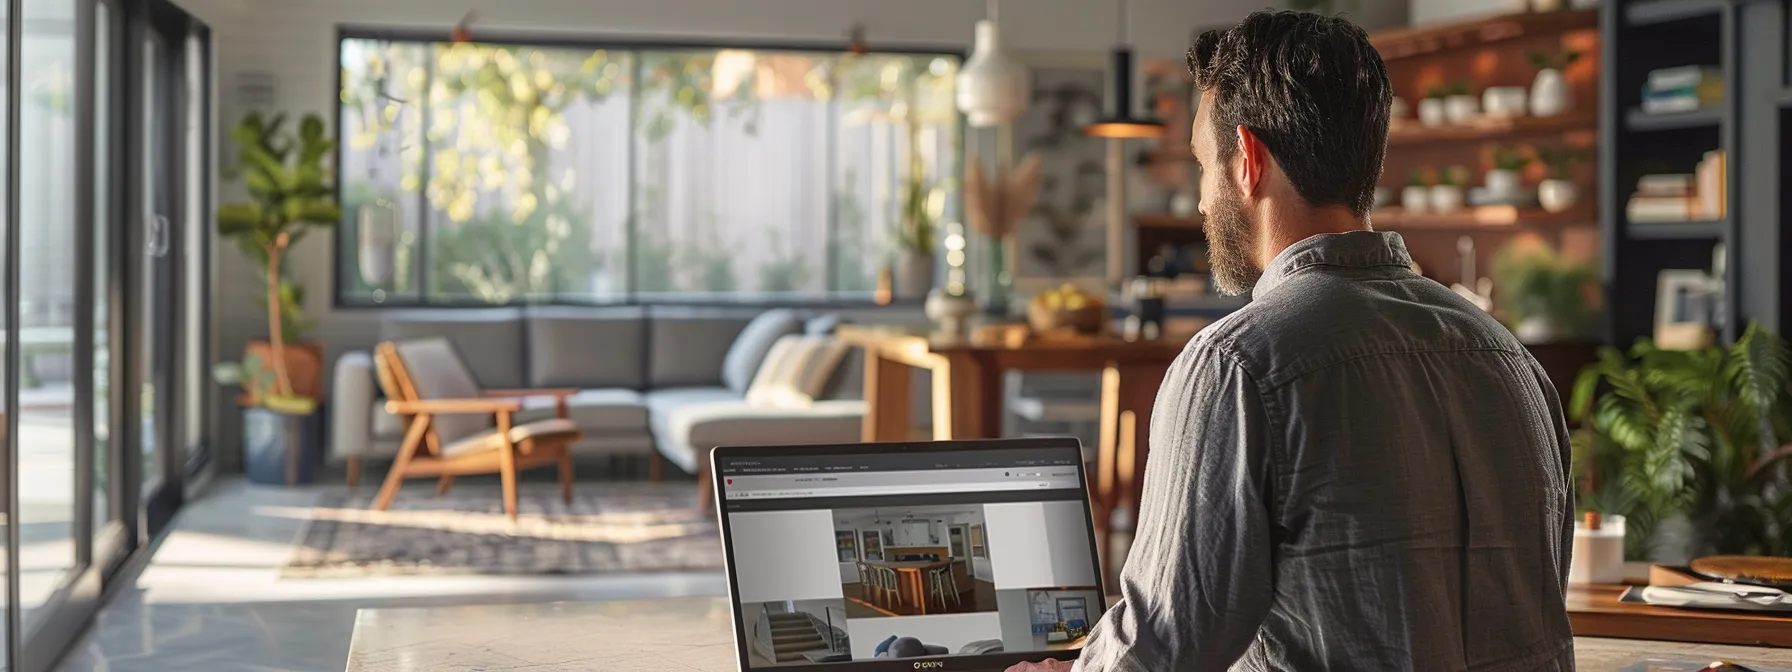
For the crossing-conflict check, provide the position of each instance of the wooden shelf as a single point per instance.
(1409, 132)
(1425, 40)
(1708, 230)
(1483, 217)
(1637, 120)
(1646, 12)
(1167, 221)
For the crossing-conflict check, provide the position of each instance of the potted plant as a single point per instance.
(1544, 297)
(1459, 107)
(1557, 192)
(1549, 92)
(1697, 436)
(1417, 195)
(922, 206)
(287, 177)
(1503, 179)
(1446, 195)
(1431, 109)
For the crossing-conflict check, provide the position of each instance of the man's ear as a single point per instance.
(1253, 161)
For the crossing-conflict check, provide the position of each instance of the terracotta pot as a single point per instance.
(304, 364)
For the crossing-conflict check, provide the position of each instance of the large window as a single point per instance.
(495, 173)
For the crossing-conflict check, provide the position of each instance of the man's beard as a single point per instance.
(1231, 239)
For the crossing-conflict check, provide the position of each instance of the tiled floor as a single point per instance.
(211, 599)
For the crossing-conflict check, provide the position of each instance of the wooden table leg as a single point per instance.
(967, 399)
(1127, 396)
(887, 387)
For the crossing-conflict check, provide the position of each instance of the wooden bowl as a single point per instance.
(1760, 571)
(1089, 319)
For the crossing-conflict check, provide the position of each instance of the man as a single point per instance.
(1359, 470)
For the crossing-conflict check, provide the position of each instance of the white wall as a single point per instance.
(784, 555)
(1039, 545)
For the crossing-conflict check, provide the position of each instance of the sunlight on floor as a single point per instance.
(618, 528)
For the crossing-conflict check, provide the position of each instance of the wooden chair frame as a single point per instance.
(420, 454)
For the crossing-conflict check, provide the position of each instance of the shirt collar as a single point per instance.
(1358, 249)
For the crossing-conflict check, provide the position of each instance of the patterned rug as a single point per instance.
(608, 528)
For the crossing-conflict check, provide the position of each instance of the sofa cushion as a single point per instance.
(593, 348)
(795, 371)
(755, 341)
(437, 372)
(686, 346)
(685, 431)
(597, 411)
(490, 341)
(848, 380)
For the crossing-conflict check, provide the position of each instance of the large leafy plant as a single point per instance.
(1537, 282)
(1693, 433)
(287, 175)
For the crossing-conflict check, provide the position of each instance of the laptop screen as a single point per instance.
(876, 554)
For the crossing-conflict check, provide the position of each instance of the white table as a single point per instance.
(693, 635)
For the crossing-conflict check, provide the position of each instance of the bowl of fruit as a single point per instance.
(1066, 309)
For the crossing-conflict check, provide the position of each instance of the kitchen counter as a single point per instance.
(694, 634)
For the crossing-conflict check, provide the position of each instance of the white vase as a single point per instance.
(1461, 109)
(914, 276)
(1502, 185)
(1503, 101)
(1597, 556)
(1549, 94)
(1416, 200)
(951, 312)
(1431, 112)
(1557, 195)
(1381, 198)
(1446, 198)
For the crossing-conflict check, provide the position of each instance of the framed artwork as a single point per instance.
(873, 546)
(1063, 238)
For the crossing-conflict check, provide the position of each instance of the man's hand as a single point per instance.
(1048, 665)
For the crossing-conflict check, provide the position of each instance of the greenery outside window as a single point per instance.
(500, 173)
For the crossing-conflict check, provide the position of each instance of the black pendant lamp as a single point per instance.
(1122, 124)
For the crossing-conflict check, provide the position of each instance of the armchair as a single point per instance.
(452, 427)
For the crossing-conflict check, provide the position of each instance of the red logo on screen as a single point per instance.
(730, 481)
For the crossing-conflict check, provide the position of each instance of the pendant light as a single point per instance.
(1122, 124)
(993, 86)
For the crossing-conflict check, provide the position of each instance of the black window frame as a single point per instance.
(339, 295)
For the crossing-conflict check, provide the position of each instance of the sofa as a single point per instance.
(665, 380)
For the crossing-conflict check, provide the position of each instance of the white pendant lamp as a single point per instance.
(993, 86)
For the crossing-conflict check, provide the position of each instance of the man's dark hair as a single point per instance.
(1312, 89)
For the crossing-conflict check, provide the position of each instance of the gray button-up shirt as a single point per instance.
(1359, 470)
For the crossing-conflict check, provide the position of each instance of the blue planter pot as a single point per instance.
(275, 444)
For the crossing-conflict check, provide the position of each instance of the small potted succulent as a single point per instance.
(1557, 192)
(1446, 195)
(1503, 180)
(1549, 92)
(1431, 109)
(1459, 106)
(1416, 197)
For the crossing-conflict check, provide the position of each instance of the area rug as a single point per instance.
(608, 528)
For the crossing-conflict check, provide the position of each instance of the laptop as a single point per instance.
(954, 556)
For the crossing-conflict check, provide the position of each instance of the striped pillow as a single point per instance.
(795, 372)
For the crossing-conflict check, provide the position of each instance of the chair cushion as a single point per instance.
(686, 347)
(438, 373)
(795, 372)
(685, 432)
(599, 411)
(491, 340)
(749, 349)
(540, 429)
(602, 347)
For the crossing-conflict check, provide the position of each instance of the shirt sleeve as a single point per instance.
(1198, 581)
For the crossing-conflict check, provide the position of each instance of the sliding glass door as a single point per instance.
(104, 267)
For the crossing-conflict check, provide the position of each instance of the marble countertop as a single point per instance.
(694, 635)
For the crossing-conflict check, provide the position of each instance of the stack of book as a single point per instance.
(1681, 197)
(1682, 89)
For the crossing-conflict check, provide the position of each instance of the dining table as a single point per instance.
(911, 582)
(967, 397)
